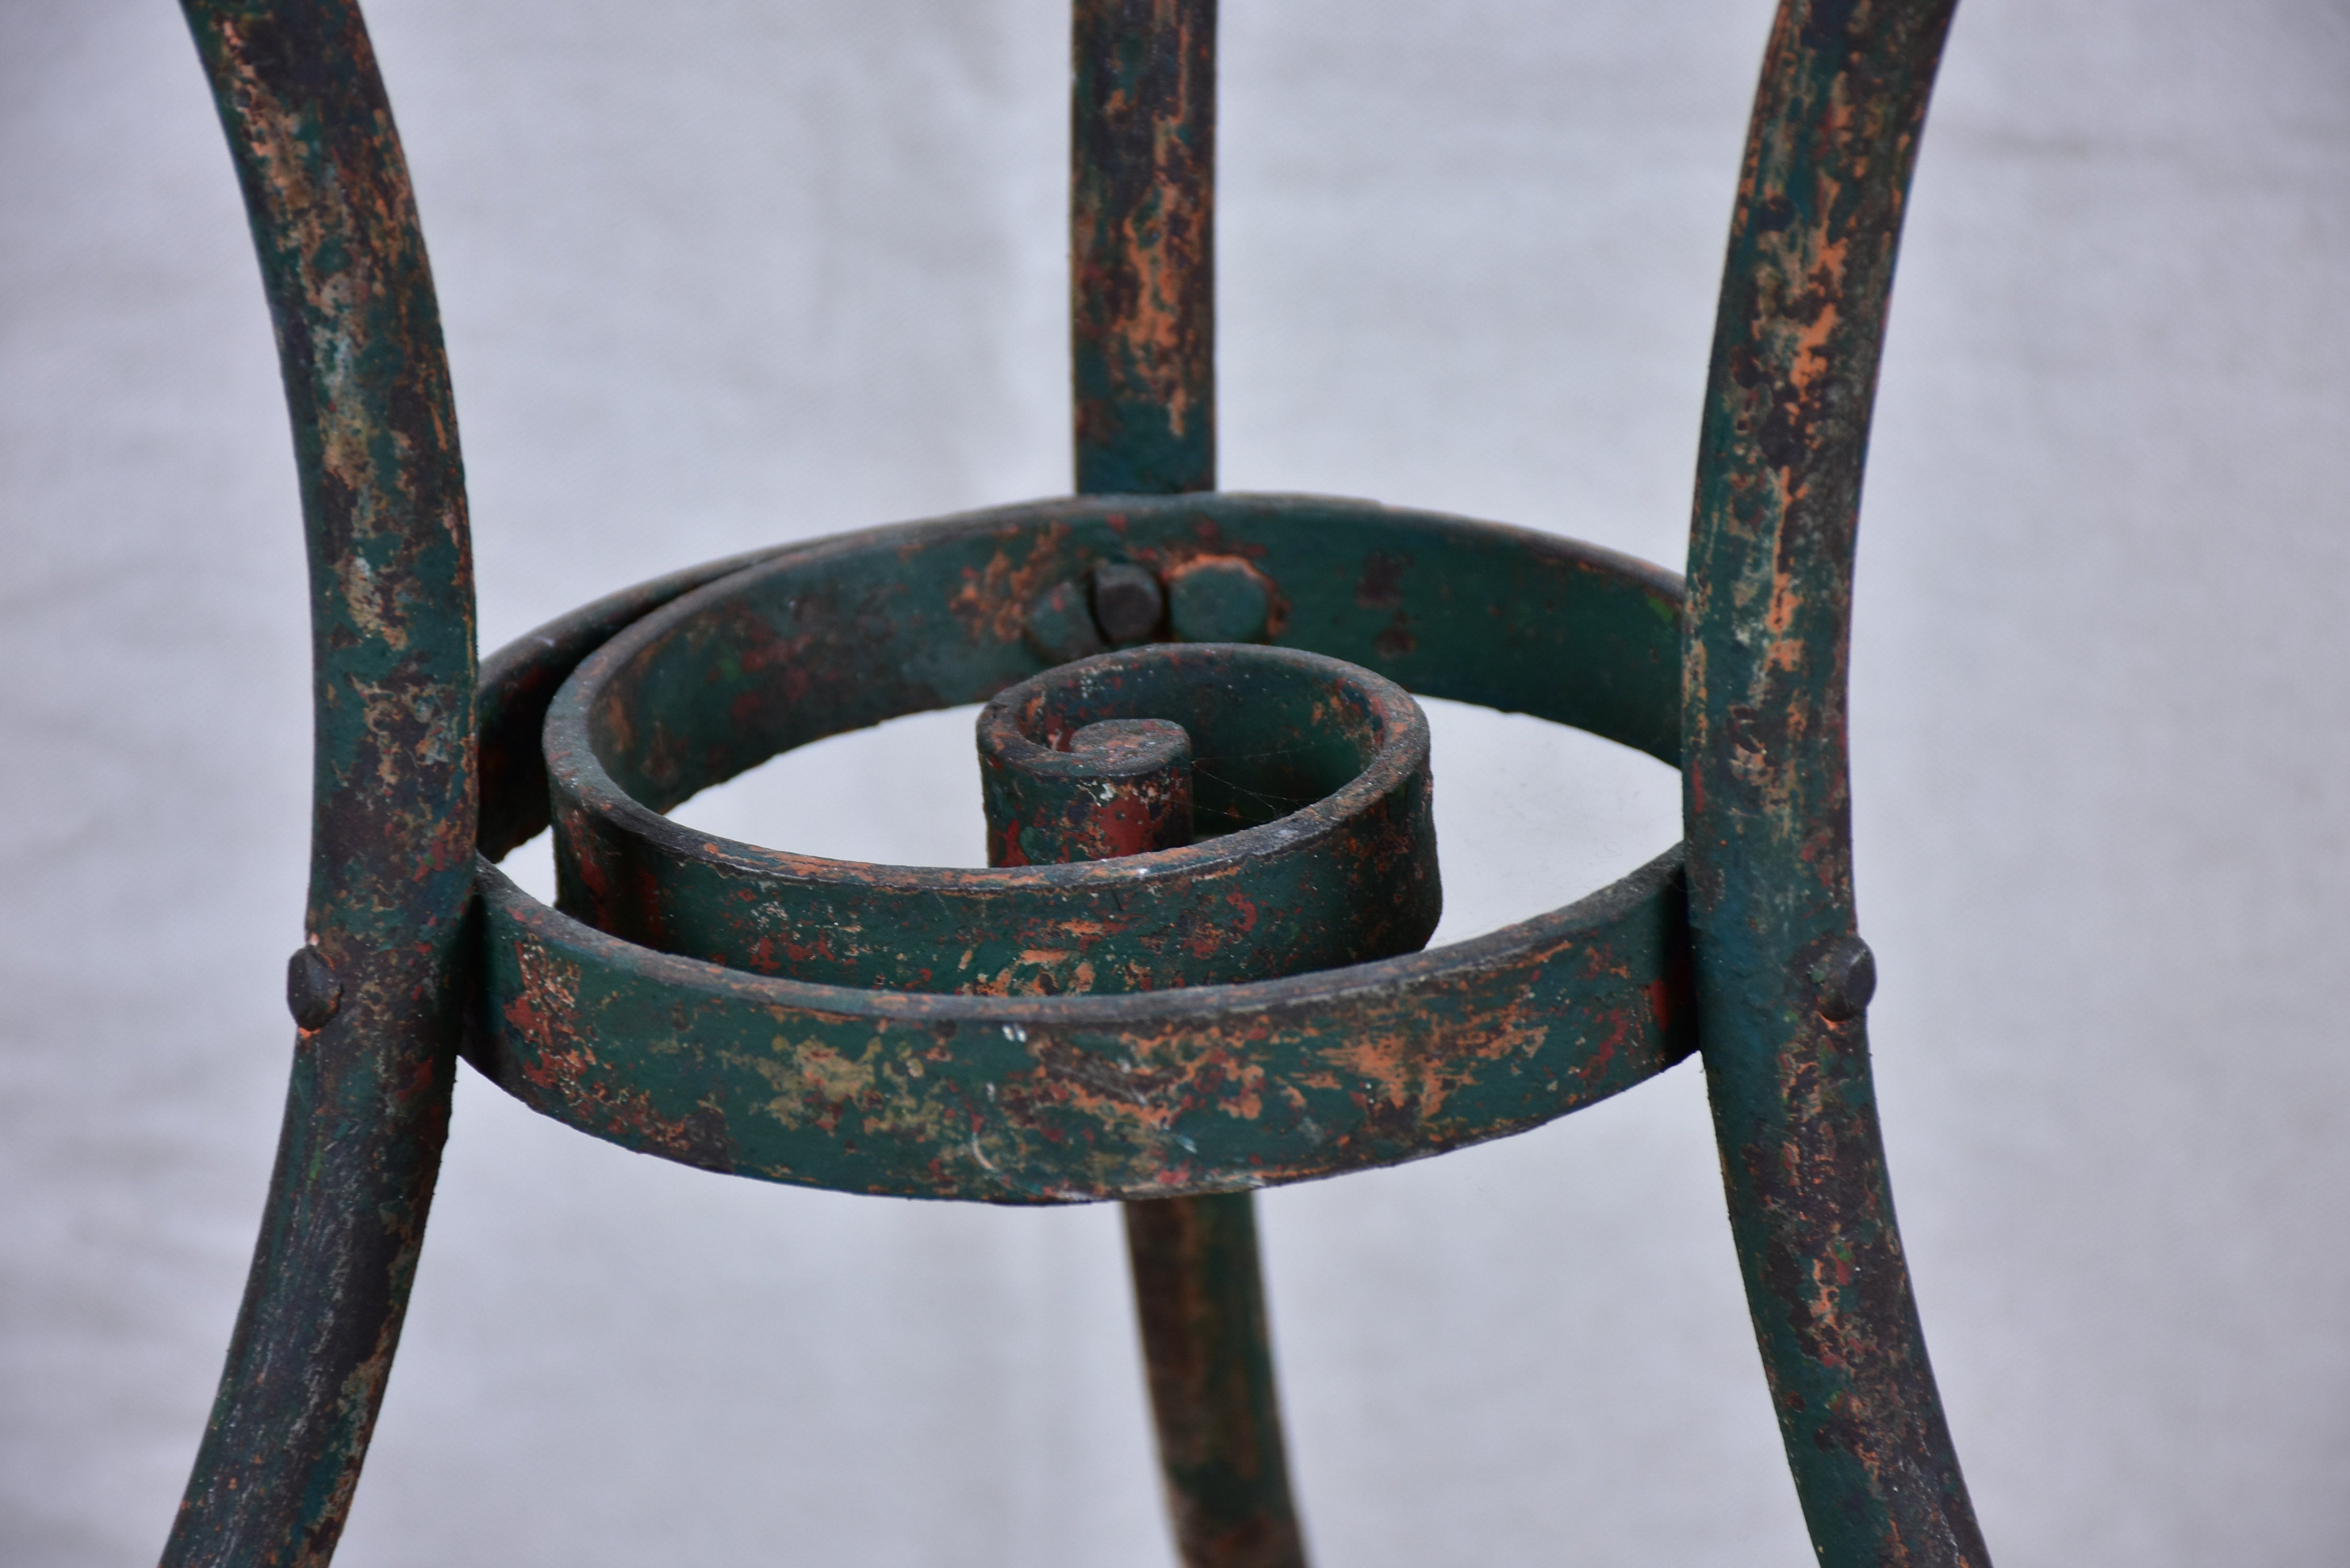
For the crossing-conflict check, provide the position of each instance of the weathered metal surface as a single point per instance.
(1220, 598)
(1068, 773)
(1060, 624)
(1114, 787)
(1142, 246)
(520, 680)
(1781, 981)
(1183, 1098)
(1079, 1098)
(1198, 1294)
(1319, 780)
(1063, 780)
(850, 633)
(1442, 605)
(393, 824)
(1040, 1099)
(1129, 601)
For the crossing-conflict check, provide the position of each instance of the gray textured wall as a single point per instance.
(717, 273)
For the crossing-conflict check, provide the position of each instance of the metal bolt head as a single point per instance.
(1128, 601)
(313, 994)
(1219, 598)
(1846, 976)
(1060, 624)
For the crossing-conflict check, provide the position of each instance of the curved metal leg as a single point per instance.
(377, 990)
(1783, 978)
(1198, 1293)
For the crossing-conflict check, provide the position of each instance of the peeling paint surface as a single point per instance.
(383, 506)
(1767, 793)
(1003, 1095)
(1191, 971)
(1142, 244)
(850, 633)
(1312, 808)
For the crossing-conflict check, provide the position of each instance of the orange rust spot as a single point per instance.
(1811, 357)
(993, 601)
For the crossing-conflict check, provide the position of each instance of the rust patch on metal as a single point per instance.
(1142, 254)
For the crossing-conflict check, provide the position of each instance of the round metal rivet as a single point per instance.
(313, 994)
(1846, 974)
(1128, 601)
(1060, 626)
(1219, 598)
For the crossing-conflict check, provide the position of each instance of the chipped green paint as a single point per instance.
(1220, 598)
(1061, 1098)
(392, 597)
(917, 1083)
(1080, 1099)
(1096, 761)
(848, 633)
(1207, 1355)
(1099, 790)
(524, 676)
(1316, 783)
(1803, 299)
(1142, 244)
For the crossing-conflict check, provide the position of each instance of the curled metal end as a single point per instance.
(1846, 977)
(1101, 791)
(313, 994)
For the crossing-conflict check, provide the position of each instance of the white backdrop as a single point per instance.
(717, 273)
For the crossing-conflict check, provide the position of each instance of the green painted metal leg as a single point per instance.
(1142, 246)
(377, 990)
(1783, 978)
(1198, 1293)
(323, 1305)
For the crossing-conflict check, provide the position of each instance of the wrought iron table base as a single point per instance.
(1191, 969)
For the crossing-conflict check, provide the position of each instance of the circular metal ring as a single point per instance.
(1059, 1098)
